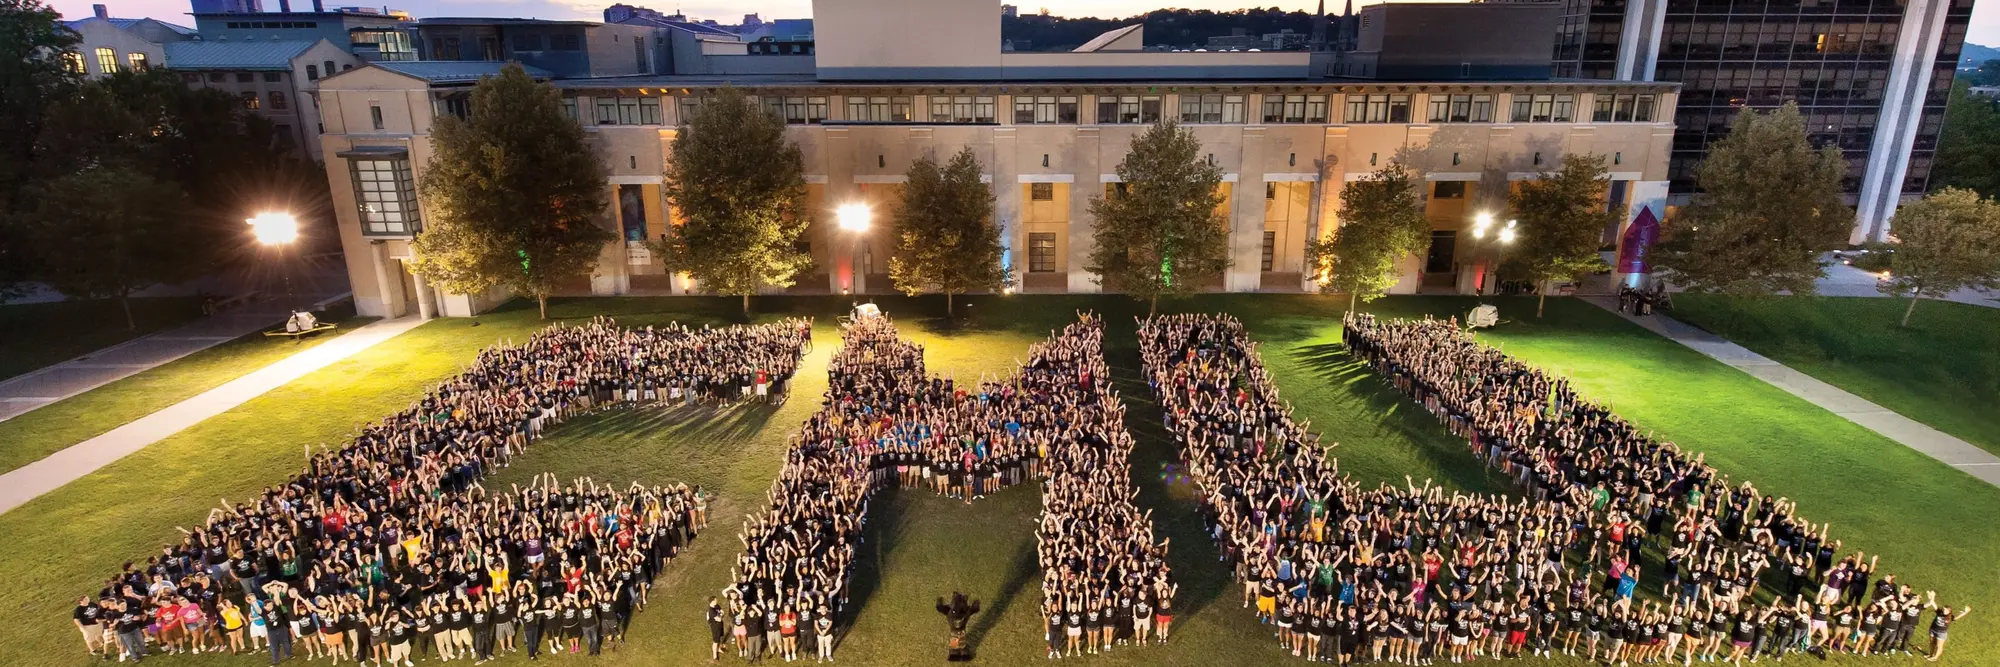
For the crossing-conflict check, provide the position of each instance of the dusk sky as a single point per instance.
(1985, 18)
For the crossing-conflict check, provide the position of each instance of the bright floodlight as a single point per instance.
(1482, 220)
(1507, 233)
(853, 217)
(274, 228)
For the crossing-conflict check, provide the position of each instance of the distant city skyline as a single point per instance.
(1985, 27)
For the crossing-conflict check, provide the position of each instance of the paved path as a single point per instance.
(48, 384)
(1913, 434)
(32, 480)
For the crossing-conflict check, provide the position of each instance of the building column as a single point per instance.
(1082, 227)
(840, 189)
(426, 302)
(377, 254)
(1246, 224)
(1902, 112)
(1007, 197)
(1639, 43)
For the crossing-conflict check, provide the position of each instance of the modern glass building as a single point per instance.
(1871, 76)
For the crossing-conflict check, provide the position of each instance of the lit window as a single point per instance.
(107, 60)
(278, 101)
(1270, 251)
(250, 100)
(386, 196)
(138, 61)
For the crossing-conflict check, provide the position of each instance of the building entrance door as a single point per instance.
(1443, 244)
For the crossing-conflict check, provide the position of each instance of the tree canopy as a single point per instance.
(739, 185)
(1968, 153)
(1158, 233)
(1381, 222)
(1562, 216)
(1770, 205)
(1945, 242)
(108, 232)
(513, 196)
(946, 239)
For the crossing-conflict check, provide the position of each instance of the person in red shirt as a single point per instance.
(167, 616)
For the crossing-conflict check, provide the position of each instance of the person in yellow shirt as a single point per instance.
(232, 625)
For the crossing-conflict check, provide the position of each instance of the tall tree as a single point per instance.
(1381, 222)
(513, 196)
(1160, 234)
(33, 47)
(945, 237)
(1769, 206)
(740, 186)
(107, 233)
(1563, 217)
(1948, 241)
(1968, 153)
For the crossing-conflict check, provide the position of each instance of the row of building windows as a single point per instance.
(273, 25)
(241, 77)
(1042, 252)
(107, 61)
(1194, 109)
(253, 102)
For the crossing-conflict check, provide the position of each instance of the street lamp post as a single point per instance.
(854, 218)
(277, 230)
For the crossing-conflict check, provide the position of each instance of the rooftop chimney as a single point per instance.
(285, 6)
(319, 6)
(102, 11)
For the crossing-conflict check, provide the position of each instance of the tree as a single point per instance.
(512, 196)
(1947, 241)
(740, 186)
(1159, 233)
(1968, 154)
(1563, 218)
(106, 233)
(33, 47)
(1381, 222)
(1769, 206)
(945, 237)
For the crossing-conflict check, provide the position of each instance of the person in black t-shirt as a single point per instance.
(88, 618)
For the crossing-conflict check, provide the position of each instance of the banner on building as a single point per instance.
(1635, 248)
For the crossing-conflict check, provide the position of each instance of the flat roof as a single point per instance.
(474, 20)
(811, 80)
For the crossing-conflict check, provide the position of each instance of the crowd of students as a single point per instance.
(1413, 574)
(387, 548)
(885, 422)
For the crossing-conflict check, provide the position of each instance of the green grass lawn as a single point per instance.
(53, 427)
(38, 334)
(1944, 370)
(1932, 524)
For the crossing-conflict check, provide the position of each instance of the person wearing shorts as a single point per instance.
(88, 617)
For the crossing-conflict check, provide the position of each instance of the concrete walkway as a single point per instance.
(31, 481)
(1913, 434)
(48, 384)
